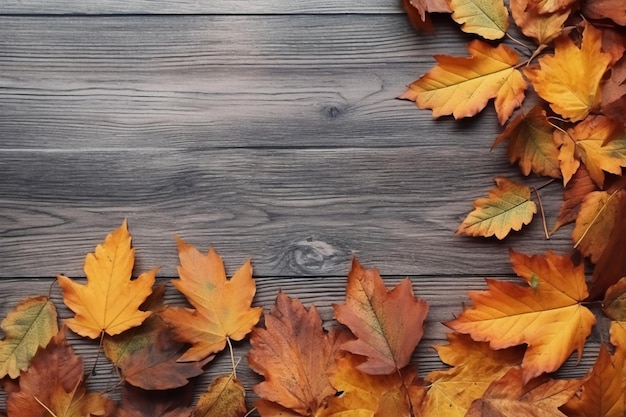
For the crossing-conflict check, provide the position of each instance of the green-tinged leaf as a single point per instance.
(508, 207)
(225, 398)
(27, 327)
(614, 304)
(487, 18)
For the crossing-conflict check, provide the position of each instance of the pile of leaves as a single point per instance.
(572, 62)
(499, 356)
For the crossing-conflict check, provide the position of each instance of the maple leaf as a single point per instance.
(224, 398)
(575, 192)
(489, 19)
(109, 302)
(137, 402)
(531, 143)
(296, 375)
(547, 314)
(463, 86)
(605, 9)
(570, 79)
(30, 325)
(508, 396)
(613, 102)
(550, 6)
(603, 390)
(388, 324)
(53, 385)
(507, 207)
(222, 307)
(542, 27)
(595, 222)
(598, 142)
(475, 366)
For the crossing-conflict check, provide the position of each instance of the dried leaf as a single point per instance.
(613, 102)
(605, 9)
(463, 86)
(542, 27)
(547, 314)
(296, 375)
(137, 402)
(575, 192)
(570, 79)
(550, 6)
(388, 324)
(109, 302)
(531, 143)
(224, 398)
(30, 325)
(595, 222)
(509, 396)
(222, 307)
(489, 19)
(475, 366)
(507, 207)
(614, 304)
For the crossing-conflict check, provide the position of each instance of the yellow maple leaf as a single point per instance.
(570, 79)
(222, 307)
(462, 87)
(546, 314)
(598, 142)
(487, 18)
(110, 301)
(507, 208)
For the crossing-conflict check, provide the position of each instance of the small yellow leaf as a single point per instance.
(507, 208)
(487, 18)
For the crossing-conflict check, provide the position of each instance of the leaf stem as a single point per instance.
(100, 347)
(593, 221)
(45, 407)
(543, 214)
(232, 357)
(250, 412)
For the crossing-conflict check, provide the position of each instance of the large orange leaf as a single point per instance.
(546, 314)
(388, 324)
(295, 355)
(508, 207)
(222, 307)
(603, 391)
(463, 86)
(110, 301)
(475, 366)
(531, 143)
(489, 19)
(598, 142)
(595, 222)
(570, 79)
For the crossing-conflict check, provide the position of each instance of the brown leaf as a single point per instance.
(294, 354)
(613, 102)
(605, 9)
(137, 402)
(542, 27)
(388, 325)
(595, 222)
(418, 18)
(224, 398)
(614, 304)
(575, 192)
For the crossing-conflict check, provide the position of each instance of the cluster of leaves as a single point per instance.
(577, 70)
(499, 355)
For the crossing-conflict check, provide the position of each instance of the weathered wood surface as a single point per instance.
(268, 129)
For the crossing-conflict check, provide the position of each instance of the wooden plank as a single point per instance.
(294, 211)
(445, 296)
(93, 7)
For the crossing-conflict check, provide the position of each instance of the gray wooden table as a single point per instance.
(268, 129)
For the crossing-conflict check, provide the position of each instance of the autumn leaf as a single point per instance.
(224, 398)
(463, 86)
(507, 207)
(53, 385)
(489, 19)
(137, 402)
(222, 307)
(614, 304)
(603, 390)
(550, 6)
(542, 27)
(547, 314)
(294, 354)
(388, 325)
(509, 396)
(474, 366)
(613, 102)
(29, 326)
(595, 222)
(109, 302)
(598, 142)
(605, 9)
(531, 143)
(575, 192)
(570, 79)
(418, 18)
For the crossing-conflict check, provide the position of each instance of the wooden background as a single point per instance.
(268, 129)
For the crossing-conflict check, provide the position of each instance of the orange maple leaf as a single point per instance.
(463, 86)
(542, 27)
(575, 192)
(570, 79)
(508, 207)
(295, 355)
(222, 307)
(550, 6)
(110, 301)
(605, 9)
(388, 324)
(547, 314)
(598, 142)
